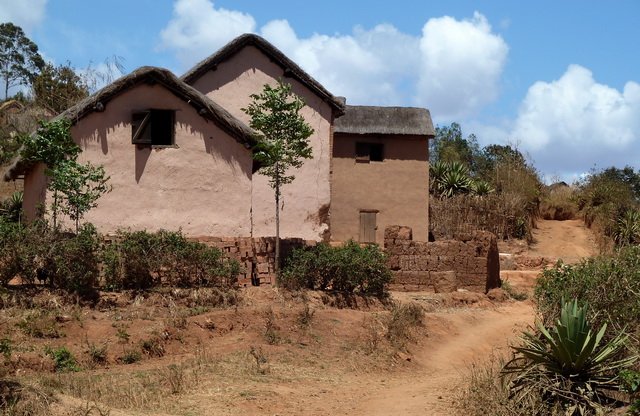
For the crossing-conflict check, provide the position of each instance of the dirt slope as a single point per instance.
(569, 240)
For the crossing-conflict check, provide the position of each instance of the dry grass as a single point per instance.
(559, 204)
(505, 215)
(487, 393)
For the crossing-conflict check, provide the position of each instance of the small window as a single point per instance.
(153, 127)
(369, 152)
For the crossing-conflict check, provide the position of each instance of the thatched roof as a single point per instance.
(204, 106)
(360, 119)
(290, 68)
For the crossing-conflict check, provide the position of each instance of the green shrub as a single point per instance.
(63, 359)
(349, 268)
(568, 364)
(609, 284)
(141, 260)
(65, 260)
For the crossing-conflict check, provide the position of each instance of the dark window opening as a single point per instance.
(153, 127)
(369, 152)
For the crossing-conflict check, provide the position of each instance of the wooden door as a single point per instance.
(367, 227)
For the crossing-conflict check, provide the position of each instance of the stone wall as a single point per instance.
(256, 255)
(470, 262)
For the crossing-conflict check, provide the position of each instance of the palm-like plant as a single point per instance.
(11, 208)
(455, 180)
(568, 364)
(627, 229)
(481, 188)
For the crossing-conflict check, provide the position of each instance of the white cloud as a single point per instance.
(462, 62)
(573, 123)
(197, 29)
(453, 67)
(26, 14)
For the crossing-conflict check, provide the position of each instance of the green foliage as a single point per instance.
(348, 268)
(283, 132)
(627, 230)
(64, 260)
(11, 208)
(449, 146)
(283, 139)
(77, 188)
(450, 178)
(568, 363)
(6, 348)
(19, 57)
(63, 360)
(52, 144)
(58, 88)
(610, 284)
(605, 199)
(130, 357)
(141, 260)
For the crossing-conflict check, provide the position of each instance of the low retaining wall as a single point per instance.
(470, 262)
(256, 255)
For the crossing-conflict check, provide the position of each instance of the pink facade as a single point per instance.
(306, 201)
(201, 185)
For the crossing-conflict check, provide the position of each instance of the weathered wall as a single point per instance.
(305, 201)
(201, 185)
(470, 262)
(397, 187)
(256, 255)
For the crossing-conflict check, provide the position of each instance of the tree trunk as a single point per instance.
(277, 183)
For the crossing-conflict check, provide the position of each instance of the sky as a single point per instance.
(557, 79)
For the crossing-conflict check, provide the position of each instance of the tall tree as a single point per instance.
(20, 61)
(283, 139)
(449, 146)
(58, 88)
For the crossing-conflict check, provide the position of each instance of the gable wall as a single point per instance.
(305, 202)
(202, 186)
(397, 187)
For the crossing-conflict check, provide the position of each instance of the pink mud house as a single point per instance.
(179, 154)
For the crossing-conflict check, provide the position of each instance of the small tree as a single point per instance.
(20, 61)
(76, 188)
(283, 139)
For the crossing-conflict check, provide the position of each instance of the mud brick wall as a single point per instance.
(470, 261)
(256, 255)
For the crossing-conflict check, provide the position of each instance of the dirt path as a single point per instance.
(462, 338)
(466, 337)
(569, 240)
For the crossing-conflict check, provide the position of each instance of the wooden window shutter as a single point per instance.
(141, 127)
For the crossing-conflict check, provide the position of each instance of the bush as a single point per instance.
(63, 359)
(36, 252)
(141, 260)
(609, 284)
(568, 364)
(349, 268)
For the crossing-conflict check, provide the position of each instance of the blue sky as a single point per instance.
(558, 79)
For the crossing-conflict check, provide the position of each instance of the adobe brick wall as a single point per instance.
(470, 262)
(256, 255)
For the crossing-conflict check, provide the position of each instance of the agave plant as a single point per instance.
(627, 229)
(11, 208)
(481, 188)
(569, 364)
(455, 180)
